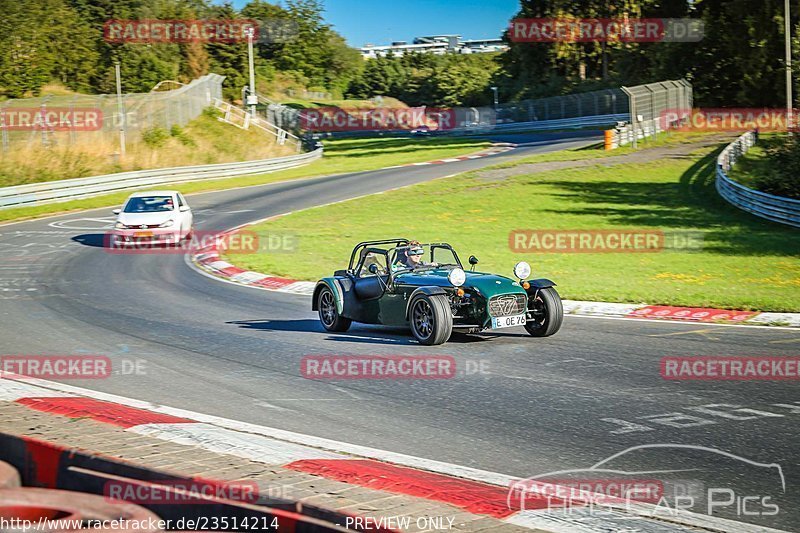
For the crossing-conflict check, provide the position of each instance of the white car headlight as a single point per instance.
(522, 270)
(457, 277)
(119, 225)
(166, 224)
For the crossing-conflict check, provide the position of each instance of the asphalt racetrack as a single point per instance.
(519, 406)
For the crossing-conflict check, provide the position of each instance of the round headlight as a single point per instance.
(457, 277)
(522, 270)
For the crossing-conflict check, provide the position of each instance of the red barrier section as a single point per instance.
(472, 496)
(698, 314)
(107, 412)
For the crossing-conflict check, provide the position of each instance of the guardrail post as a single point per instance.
(3, 129)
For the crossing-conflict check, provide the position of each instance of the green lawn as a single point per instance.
(341, 156)
(745, 263)
(754, 163)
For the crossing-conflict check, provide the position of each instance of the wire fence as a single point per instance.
(68, 120)
(641, 106)
(605, 102)
(649, 101)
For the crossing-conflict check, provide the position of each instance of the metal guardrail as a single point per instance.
(63, 190)
(768, 206)
(577, 122)
(485, 129)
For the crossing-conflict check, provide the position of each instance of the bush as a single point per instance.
(178, 132)
(783, 176)
(155, 137)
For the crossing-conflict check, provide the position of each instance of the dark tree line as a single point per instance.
(62, 40)
(738, 63)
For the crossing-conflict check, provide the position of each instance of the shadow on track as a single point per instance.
(358, 333)
(95, 240)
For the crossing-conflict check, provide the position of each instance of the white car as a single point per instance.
(153, 217)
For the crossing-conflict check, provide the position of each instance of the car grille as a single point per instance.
(143, 226)
(507, 304)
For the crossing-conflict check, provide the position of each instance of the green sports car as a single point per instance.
(388, 283)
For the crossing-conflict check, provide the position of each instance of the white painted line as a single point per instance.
(221, 440)
(598, 518)
(599, 308)
(792, 319)
(299, 287)
(681, 322)
(11, 390)
(248, 277)
(219, 265)
(206, 255)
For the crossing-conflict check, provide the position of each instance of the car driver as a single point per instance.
(411, 257)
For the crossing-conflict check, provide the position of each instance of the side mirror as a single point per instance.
(473, 261)
(117, 211)
(183, 208)
(373, 269)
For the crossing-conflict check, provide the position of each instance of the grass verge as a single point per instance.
(341, 156)
(754, 164)
(204, 140)
(744, 263)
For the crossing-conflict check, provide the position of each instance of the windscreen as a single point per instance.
(149, 204)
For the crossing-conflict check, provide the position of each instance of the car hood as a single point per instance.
(136, 219)
(485, 284)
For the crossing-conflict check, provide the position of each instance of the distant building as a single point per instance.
(435, 44)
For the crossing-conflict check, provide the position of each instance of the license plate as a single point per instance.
(143, 234)
(508, 321)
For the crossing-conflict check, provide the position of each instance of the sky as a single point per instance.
(383, 21)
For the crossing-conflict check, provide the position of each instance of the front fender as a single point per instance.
(541, 283)
(428, 291)
(333, 285)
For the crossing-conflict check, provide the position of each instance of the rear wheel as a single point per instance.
(329, 314)
(545, 313)
(431, 319)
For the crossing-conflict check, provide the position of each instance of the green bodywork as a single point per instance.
(389, 304)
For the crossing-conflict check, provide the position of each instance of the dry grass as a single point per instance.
(203, 141)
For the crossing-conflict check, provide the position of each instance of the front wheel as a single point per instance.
(431, 319)
(545, 313)
(329, 314)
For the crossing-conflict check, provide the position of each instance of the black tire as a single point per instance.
(545, 313)
(431, 319)
(328, 313)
